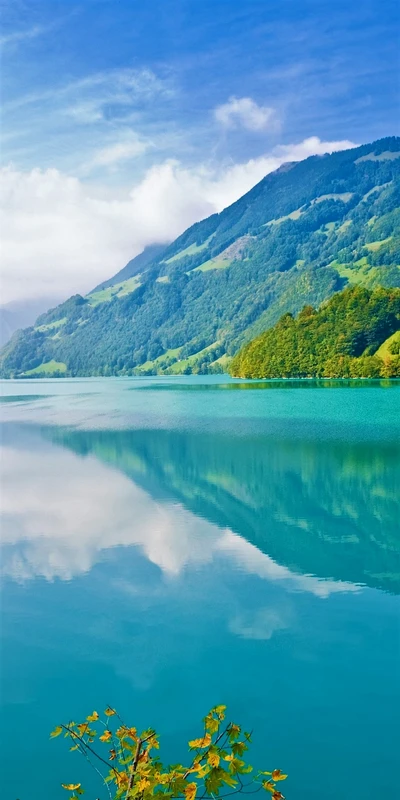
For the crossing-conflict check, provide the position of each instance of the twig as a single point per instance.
(87, 746)
(134, 766)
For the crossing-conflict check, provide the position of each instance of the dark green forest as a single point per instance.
(354, 334)
(301, 235)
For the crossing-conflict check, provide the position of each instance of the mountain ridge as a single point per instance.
(301, 234)
(133, 267)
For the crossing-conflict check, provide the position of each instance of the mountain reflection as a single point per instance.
(283, 510)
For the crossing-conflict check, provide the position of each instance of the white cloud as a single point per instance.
(86, 112)
(128, 146)
(117, 86)
(313, 146)
(14, 37)
(20, 36)
(17, 36)
(243, 112)
(59, 236)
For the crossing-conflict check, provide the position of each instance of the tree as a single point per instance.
(129, 769)
(342, 339)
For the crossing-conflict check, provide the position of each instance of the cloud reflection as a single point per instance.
(62, 512)
(261, 624)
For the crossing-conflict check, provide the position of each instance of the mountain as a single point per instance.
(20, 314)
(133, 267)
(355, 334)
(300, 235)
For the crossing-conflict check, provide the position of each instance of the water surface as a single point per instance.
(172, 544)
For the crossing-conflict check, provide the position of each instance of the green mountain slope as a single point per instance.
(133, 267)
(354, 334)
(303, 233)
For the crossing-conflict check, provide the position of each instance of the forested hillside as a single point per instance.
(355, 334)
(302, 234)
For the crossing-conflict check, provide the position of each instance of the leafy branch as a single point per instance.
(131, 767)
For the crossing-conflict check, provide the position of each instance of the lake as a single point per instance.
(173, 543)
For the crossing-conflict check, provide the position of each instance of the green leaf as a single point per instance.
(234, 732)
(235, 765)
(211, 723)
(238, 748)
(216, 778)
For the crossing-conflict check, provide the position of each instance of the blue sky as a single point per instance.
(179, 102)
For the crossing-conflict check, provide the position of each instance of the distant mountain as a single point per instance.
(302, 234)
(355, 334)
(21, 313)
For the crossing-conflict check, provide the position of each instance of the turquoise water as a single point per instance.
(169, 544)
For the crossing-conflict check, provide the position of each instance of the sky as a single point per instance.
(123, 121)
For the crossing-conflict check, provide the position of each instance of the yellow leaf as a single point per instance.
(201, 769)
(163, 778)
(211, 723)
(204, 770)
(82, 727)
(106, 736)
(213, 759)
(93, 717)
(56, 732)
(113, 754)
(143, 784)
(109, 712)
(122, 779)
(269, 786)
(277, 775)
(190, 791)
(205, 741)
(71, 787)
